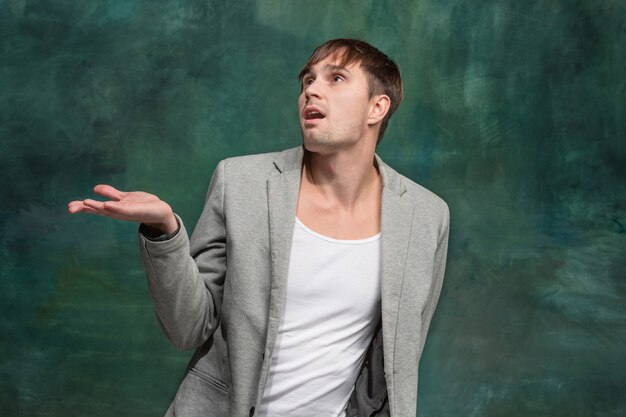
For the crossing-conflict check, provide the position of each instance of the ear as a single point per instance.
(379, 106)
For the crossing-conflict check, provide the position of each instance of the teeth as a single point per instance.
(314, 114)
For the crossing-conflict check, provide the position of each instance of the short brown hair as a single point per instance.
(383, 73)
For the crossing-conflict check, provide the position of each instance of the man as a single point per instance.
(310, 280)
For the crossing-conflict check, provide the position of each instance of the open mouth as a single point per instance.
(313, 113)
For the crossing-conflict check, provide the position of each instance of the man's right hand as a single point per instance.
(134, 206)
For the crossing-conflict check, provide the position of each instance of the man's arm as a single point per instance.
(186, 277)
(185, 280)
(439, 269)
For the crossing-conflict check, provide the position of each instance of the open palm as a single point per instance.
(134, 206)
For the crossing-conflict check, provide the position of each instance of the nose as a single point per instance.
(311, 89)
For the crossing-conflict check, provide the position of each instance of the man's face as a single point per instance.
(333, 106)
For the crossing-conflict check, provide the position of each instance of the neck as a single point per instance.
(342, 178)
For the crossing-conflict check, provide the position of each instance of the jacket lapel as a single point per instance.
(396, 221)
(282, 197)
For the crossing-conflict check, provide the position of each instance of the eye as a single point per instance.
(337, 78)
(307, 81)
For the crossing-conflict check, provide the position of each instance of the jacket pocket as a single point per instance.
(209, 379)
(200, 395)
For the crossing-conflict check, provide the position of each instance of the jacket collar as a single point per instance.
(291, 159)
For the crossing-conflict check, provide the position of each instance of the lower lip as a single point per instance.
(311, 121)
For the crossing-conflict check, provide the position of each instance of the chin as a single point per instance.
(319, 145)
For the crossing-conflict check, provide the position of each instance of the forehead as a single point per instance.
(341, 56)
(334, 62)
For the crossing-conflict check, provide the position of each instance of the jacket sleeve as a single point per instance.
(439, 268)
(186, 276)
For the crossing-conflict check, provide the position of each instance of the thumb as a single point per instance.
(108, 191)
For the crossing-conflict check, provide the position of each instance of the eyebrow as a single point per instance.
(327, 67)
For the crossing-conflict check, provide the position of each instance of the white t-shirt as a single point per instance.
(332, 307)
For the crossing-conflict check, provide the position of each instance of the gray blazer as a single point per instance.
(222, 292)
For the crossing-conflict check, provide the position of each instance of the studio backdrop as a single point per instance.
(514, 113)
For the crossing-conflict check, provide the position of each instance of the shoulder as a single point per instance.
(417, 194)
(421, 196)
(248, 174)
(261, 164)
(424, 201)
(246, 163)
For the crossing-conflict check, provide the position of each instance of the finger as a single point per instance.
(112, 209)
(78, 207)
(108, 191)
(94, 204)
(123, 211)
(104, 208)
(74, 206)
(89, 210)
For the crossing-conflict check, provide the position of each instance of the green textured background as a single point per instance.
(514, 112)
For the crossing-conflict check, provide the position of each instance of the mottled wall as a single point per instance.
(514, 112)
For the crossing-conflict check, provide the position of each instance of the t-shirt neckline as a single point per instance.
(333, 240)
